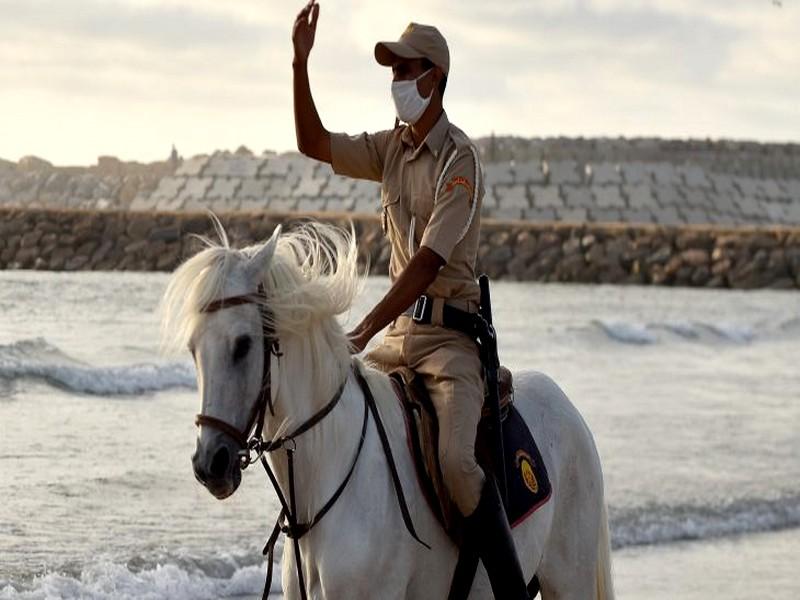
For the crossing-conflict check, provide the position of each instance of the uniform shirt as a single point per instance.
(413, 214)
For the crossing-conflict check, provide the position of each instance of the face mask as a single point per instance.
(407, 100)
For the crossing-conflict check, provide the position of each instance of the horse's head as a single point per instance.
(215, 305)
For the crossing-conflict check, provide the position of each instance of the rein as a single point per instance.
(255, 447)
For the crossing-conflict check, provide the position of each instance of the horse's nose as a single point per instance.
(197, 465)
(220, 462)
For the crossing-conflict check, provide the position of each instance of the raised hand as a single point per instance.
(305, 28)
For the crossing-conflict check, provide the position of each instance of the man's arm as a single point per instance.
(420, 273)
(313, 139)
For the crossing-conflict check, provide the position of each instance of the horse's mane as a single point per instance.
(312, 277)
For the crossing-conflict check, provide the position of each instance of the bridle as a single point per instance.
(254, 447)
(264, 400)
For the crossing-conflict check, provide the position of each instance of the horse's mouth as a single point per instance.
(223, 488)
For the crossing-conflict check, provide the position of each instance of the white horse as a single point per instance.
(361, 549)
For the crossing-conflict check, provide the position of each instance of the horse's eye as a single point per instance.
(241, 347)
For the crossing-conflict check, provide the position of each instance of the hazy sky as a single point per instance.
(79, 78)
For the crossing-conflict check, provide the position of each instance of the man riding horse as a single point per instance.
(431, 193)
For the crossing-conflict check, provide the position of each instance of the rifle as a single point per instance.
(491, 364)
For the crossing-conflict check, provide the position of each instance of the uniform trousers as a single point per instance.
(449, 364)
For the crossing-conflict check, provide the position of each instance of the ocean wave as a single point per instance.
(40, 360)
(107, 580)
(655, 524)
(649, 333)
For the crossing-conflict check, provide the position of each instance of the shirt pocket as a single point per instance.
(390, 203)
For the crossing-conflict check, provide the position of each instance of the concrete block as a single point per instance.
(280, 187)
(792, 213)
(640, 196)
(315, 204)
(668, 196)
(171, 204)
(668, 216)
(253, 204)
(193, 167)
(724, 204)
(506, 213)
(224, 204)
(724, 184)
(366, 205)
(233, 165)
(498, 173)
(565, 171)
(529, 172)
(573, 215)
(664, 174)
(369, 189)
(577, 196)
(223, 188)
(546, 196)
(514, 196)
(275, 166)
(635, 173)
(308, 187)
(143, 202)
(750, 207)
(721, 219)
(339, 186)
(605, 174)
(282, 204)
(605, 215)
(792, 187)
(322, 170)
(773, 190)
(749, 187)
(340, 204)
(697, 198)
(539, 214)
(608, 196)
(694, 216)
(195, 188)
(638, 215)
(253, 188)
(168, 187)
(694, 176)
(776, 211)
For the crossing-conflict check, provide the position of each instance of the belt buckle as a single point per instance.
(419, 309)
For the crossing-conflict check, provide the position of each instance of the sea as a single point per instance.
(693, 397)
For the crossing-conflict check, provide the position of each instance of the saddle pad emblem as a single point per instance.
(525, 465)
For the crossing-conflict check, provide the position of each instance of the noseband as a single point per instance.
(264, 400)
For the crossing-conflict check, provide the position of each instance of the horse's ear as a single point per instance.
(259, 263)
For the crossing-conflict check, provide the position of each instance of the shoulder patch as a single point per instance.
(459, 180)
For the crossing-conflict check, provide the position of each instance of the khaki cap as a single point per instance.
(417, 41)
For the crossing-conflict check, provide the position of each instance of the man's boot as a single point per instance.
(488, 529)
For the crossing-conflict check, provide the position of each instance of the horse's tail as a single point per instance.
(605, 584)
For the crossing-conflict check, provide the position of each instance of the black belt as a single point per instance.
(453, 318)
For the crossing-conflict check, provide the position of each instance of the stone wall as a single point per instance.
(590, 253)
(36, 183)
(560, 180)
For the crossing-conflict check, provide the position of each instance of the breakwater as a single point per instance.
(741, 257)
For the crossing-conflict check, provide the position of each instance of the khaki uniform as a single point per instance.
(431, 196)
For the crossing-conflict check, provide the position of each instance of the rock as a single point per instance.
(571, 246)
(76, 262)
(693, 239)
(660, 256)
(701, 275)
(695, 257)
(135, 247)
(30, 239)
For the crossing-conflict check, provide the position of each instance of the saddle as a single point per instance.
(528, 484)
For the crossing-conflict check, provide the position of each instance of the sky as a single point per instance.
(83, 78)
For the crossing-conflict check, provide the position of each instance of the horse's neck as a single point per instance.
(308, 379)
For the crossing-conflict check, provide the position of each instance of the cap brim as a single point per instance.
(387, 53)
